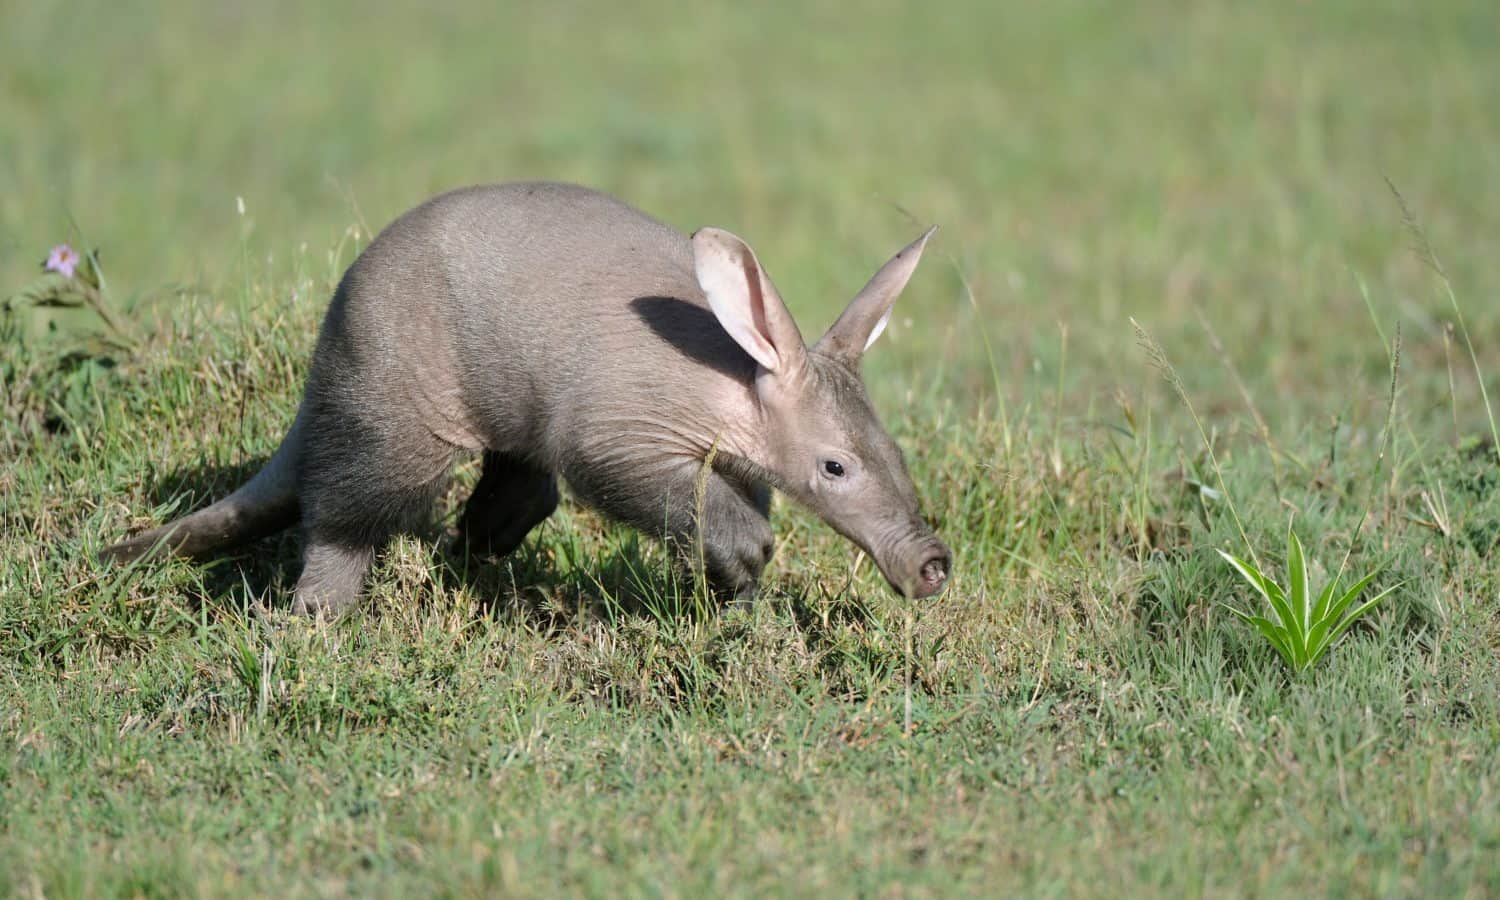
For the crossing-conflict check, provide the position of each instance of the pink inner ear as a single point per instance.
(757, 296)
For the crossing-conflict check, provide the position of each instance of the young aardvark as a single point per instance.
(564, 333)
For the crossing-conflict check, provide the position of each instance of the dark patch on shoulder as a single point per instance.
(695, 333)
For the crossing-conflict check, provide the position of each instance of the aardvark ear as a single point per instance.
(746, 303)
(867, 314)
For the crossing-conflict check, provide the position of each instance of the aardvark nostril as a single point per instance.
(933, 574)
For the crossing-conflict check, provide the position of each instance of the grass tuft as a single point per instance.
(1303, 627)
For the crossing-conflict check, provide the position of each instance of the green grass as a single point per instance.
(1078, 714)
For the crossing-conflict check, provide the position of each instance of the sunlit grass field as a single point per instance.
(1078, 714)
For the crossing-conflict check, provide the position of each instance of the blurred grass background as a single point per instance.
(1088, 161)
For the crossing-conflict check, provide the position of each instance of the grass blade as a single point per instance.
(1296, 568)
(1247, 572)
(1321, 620)
(1284, 612)
(1273, 595)
(1275, 635)
(1325, 598)
(1336, 611)
(1363, 608)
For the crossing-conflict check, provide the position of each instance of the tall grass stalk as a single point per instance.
(1163, 365)
(1385, 441)
(1429, 256)
(1273, 453)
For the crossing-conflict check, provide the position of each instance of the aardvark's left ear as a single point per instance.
(870, 310)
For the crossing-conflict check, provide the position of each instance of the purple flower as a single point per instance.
(63, 258)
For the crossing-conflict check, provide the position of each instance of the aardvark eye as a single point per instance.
(834, 467)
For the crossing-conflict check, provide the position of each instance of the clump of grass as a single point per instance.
(1302, 628)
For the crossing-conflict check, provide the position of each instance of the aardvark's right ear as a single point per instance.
(746, 303)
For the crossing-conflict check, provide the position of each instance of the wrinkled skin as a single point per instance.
(567, 335)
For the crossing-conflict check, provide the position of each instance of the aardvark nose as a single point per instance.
(932, 572)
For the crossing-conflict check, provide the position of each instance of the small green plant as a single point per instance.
(1301, 628)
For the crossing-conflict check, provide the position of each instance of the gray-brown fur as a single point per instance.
(565, 334)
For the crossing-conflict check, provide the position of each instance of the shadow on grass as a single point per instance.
(237, 576)
(548, 587)
(548, 582)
